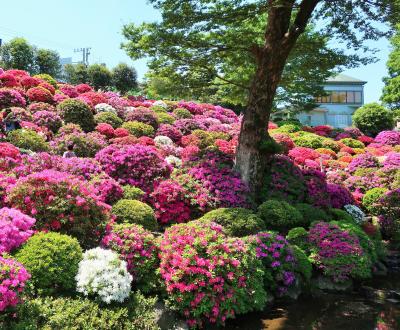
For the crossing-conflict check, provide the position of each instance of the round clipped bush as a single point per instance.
(371, 200)
(52, 259)
(138, 129)
(279, 215)
(81, 313)
(352, 143)
(131, 192)
(237, 222)
(11, 98)
(102, 274)
(108, 118)
(135, 212)
(77, 112)
(311, 213)
(13, 277)
(228, 274)
(48, 119)
(15, 229)
(60, 202)
(28, 139)
(84, 144)
(182, 113)
(137, 247)
(136, 165)
(373, 118)
(143, 115)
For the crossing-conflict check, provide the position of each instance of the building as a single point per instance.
(344, 96)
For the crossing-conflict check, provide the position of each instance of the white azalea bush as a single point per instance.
(160, 103)
(174, 161)
(104, 107)
(101, 273)
(163, 141)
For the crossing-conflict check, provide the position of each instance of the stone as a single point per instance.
(326, 284)
(167, 319)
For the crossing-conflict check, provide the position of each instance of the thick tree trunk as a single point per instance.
(254, 150)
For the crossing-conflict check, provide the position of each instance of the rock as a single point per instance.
(393, 301)
(325, 283)
(167, 319)
(380, 269)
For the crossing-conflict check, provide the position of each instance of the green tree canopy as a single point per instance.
(391, 91)
(124, 78)
(99, 76)
(75, 73)
(48, 61)
(18, 54)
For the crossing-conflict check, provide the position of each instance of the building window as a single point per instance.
(341, 97)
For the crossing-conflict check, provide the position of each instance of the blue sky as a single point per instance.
(63, 25)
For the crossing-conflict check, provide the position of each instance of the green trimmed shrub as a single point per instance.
(371, 199)
(164, 118)
(47, 78)
(158, 108)
(311, 213)
(132, 192)
(352, 143)
(237, 222)
(77, 112)
(108, 118)
(137, 212)
(310, 140)
(288, 128)
(298, 236)
(52, 259)
(80, 313)
(373, 118)
(207, 139)
(28, 139)
(138, 129)
(340, 215)
(279, 215)
(330, 144)
(182, 113)
(303, 264)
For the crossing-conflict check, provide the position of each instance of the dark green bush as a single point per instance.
(83, 314)
(131, 192)
(311, 213)
(52, 259)
(303, 265)
(237, 222)
(279, 215)
(28, 139)
(298, 236)
(108, 118)
(371, 199)
(138, 129)
(77, 112)
(132, 211)
(340, 215)
(373, 118)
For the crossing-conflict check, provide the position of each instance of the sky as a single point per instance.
(64, 25)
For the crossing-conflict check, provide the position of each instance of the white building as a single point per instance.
(345, 96)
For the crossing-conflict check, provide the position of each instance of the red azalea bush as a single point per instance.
(170, 203)
(60, 202)
(15, 229)
(106, 188)
(208, 276)
(94, 98)
(69, 90)
(41, 106)
(8, 80)
(9, 156)
(137, 247)
(106, 130)
(13, 277)
(39, 94)
(136, 165)
(83, 88)
(169, 130)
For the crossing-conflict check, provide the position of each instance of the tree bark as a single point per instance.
(254, 150)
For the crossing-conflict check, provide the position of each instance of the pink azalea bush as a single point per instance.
(137, 247)
(15, 229)
(13, 277)
(209, 276)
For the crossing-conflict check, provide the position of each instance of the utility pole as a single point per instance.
(85, 54)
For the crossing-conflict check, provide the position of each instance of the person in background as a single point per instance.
(70, 152)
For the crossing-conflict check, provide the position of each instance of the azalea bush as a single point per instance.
(137, 247)
(102, 274)
(209, 276)
(60, 202)
(13, 278)
(77, 112)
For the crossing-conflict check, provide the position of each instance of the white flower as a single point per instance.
(355, 212)
(160, 104)
(102, 273)
(161, 141)
(104, 107)
(174, 161)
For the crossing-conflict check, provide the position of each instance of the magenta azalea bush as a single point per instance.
(15, 229)
(13, 278)
(136, 165)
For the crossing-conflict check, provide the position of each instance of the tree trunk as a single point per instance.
(255, 148)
